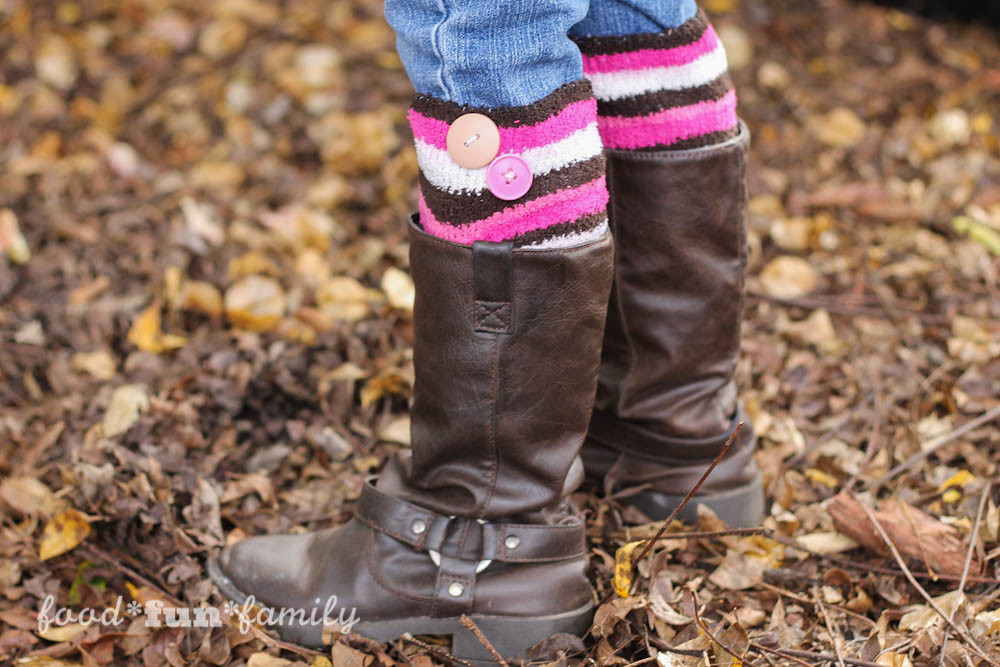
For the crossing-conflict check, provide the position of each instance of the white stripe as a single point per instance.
(626, 83)
(443, 172)
(570, 240)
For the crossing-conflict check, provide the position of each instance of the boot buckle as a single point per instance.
(435, 554)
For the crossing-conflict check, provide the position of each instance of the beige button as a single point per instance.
(473, 140)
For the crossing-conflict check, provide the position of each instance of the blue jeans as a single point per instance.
(499, 53)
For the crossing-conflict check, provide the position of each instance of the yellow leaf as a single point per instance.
(951, 496)
(398, 288)
(255, 303)
(146, 335)
(99, 364)
(63, 633)
(11, 239)
(63, 533)
(960, 478)
(343, 299)
(819, 477)
(200, 296)
(384, 384)
(251, 263)
(623, 568)
(979, 232)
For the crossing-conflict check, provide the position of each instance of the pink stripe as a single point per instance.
(670, 125)
(571, 118)
(562, 206)
(646, 58)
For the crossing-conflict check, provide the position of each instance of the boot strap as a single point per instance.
(504, 542)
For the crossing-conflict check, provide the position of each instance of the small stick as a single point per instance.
(687, 498)
(941, 441)
(920, 589)
(471, 625)
(968, 563)
(697, 535)
(794, 654)
(834, 636)
(438, 653)
(741, 659)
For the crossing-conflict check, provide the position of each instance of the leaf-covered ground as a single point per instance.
(205, 330)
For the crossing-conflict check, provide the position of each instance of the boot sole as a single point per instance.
(511, 636)
(742, 507)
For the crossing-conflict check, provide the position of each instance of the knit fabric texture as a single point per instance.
(558, 139)
(665, 90)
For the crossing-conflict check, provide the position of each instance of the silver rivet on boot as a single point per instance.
(512, 541)
(456, 589)
(418, 527)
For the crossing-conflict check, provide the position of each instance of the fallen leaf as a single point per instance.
(145, 332)
(343, 299)
(266, 660)
(12, 241)
(982, 234)
(64, 532)
(787, 277)
(29, 496)
(99, 364)
(623, 568)
(127, 403)
(255, 303)
(63, 633)
(826, 542)
(398, 288)
(200, 296)
(398, 431)
(840, 127)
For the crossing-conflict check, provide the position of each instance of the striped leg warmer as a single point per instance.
(666, 90)
(556, 137)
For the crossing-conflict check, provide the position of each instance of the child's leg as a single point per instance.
(666, 401)
(659, 73)
(512, 62)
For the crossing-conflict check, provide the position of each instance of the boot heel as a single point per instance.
(512, 637)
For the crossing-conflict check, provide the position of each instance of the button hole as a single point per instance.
(468, 142)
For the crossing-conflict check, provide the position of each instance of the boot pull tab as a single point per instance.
(493, 280)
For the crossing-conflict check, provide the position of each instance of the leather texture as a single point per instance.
(501, 400)
(475, 518)
(666, 402)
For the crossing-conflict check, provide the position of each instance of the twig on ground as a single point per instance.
(796, 654)
(687, 498)
(834, 636)
(801, 598)
(438, 653)
(472, 627)
(623, 535)
(704, 628)
(968, 563)
(941, 441)
(923, 593)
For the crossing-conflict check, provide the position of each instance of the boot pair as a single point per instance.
(511, 347)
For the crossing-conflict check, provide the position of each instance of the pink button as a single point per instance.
(508, 177)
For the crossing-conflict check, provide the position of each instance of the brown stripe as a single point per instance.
(530, 114)
(459, 209)
(580, 225)
(700, 141)
(658, 100)
(684, 34)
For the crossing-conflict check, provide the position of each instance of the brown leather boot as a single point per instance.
(666, 402)
(475, 520)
